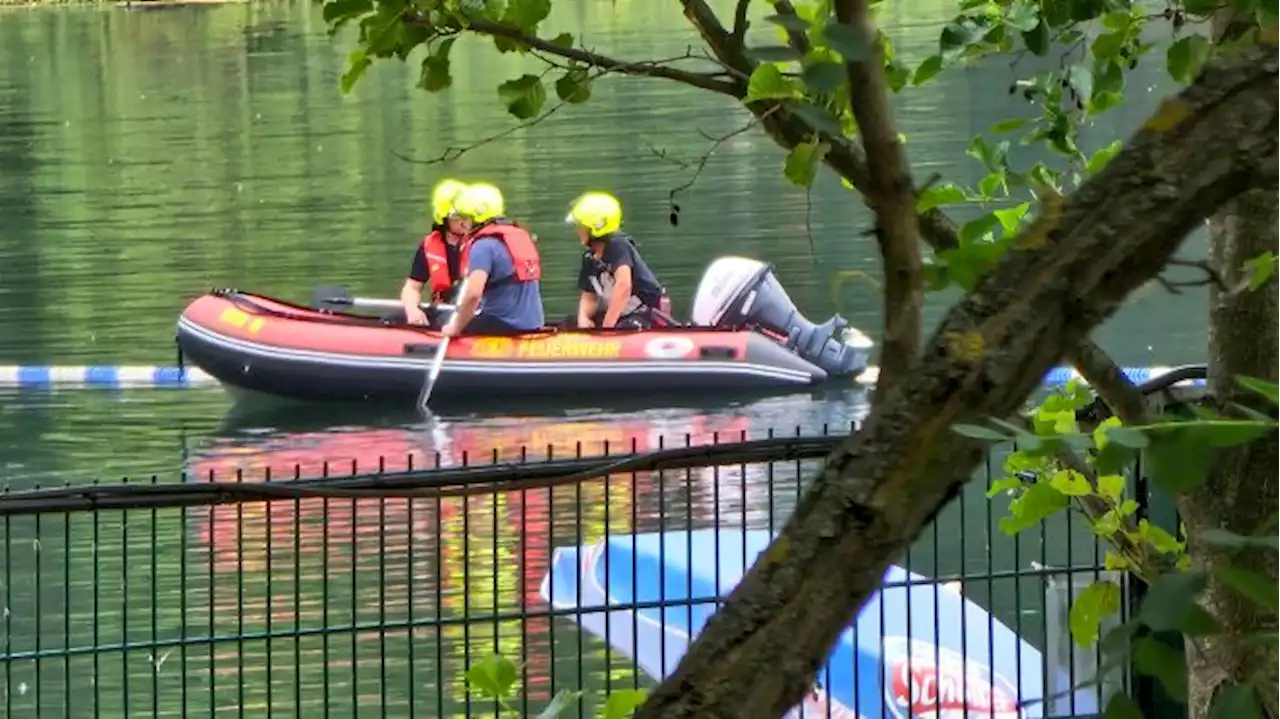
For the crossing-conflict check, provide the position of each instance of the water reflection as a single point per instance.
(449, 562)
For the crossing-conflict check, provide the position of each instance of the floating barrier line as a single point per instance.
(122, 376)
(105, 376)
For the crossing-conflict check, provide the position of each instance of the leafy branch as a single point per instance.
(1178, 452)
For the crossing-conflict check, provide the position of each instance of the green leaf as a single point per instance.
(1231, 432)
(817, 117)
(1224, 539)
(1039, 501)
(1170, 599)
(1011, 217)
(1157, 659)
(1270, 390)
(526, 14)
(977, 228)
(1251, 585)
(1107, 46)
(1261, 269)
(976, 431)
(774, 53)
(359, 62)
(1007, 126)
(928, 68)
(849, 41)
(1111, 487)
(1235, 701)
(435, 75)
(1128, 437)
(1119, 20)
(1266, 14)
(622, 703)
(523, 96)
(1085, 10)
(1186, 56)
(1072, 484)
(345, 9)
(574, 86)
(1095, 603)
(1159, 539)
(494, 677)
(898, 75)
(1108, 77)
(1004, 484)
(562, 706)
(823, 77)
(1080, 78)
(564, 39)
(1025, 16)
(938, 195)
(1178, 460)
(802, 163)
(1037, 39)
(1122, 706)
(789, 22)
(956, 37)
(992, 182)
(767, 83)
(1102, 157)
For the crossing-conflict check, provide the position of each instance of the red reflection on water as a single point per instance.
(422, 552)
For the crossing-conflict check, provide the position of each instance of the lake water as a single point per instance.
(147, 156)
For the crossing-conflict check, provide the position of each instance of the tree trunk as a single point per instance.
(758, 655)
(1241, 494)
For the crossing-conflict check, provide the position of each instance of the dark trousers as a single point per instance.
(483, 324)
(640, 319)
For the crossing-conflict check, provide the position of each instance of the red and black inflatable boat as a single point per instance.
(747, 337)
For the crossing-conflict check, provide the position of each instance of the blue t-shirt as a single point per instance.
(519, 304)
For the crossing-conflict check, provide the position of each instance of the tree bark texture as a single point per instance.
(1242, 491)
(891, 193)
(760, 653)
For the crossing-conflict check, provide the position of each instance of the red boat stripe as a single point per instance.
(496, 366)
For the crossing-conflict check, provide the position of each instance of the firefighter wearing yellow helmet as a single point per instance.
(437, 264)
(618, 288)
(500, 293)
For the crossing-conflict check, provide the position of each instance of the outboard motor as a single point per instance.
(738, 292)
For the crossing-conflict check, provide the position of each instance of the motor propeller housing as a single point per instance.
(742, 292)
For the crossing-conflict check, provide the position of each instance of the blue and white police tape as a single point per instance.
(1060, 376)
(105, 376)
(110, 376)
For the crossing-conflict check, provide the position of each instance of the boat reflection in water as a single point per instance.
(399, 564)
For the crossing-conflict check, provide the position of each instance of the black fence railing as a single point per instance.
(249, 600)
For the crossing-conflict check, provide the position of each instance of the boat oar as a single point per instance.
(438, 362)
(339, 299)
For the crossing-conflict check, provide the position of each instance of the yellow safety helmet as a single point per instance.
(599, 212)
(481, 202)
(442, 199)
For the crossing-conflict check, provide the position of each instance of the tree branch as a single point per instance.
(740, 24)
(700, 163)
(797, 39)
(757, 656)
(641, 68)
(891, 195)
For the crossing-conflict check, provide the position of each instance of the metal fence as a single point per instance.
(323, 606)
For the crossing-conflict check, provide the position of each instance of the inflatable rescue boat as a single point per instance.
(746, 335)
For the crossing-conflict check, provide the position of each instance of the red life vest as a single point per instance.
(436, 252)
(520, 245)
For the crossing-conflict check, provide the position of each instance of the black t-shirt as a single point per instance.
(418, 271)
(596, 274)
